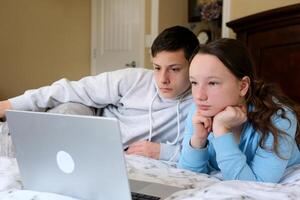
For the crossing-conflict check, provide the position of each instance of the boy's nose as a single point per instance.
(164, 77)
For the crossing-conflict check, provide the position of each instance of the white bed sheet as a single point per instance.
(197, 186)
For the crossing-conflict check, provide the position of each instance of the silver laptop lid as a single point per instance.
(54, 154)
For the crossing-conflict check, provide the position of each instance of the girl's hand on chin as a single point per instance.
(202, 127)
(230, 117)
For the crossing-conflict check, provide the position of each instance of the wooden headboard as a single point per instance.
(273, 38)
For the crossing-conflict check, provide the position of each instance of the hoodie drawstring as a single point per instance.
(150, 117)
(178, 120)
(178, 124)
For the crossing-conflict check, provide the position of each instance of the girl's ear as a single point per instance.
(244, 86)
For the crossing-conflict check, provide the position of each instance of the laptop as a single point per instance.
(75, 155)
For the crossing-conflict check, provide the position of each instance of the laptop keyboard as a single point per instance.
(139, 196)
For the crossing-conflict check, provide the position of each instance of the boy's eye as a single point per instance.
(193, 82)
(156, 68)
(175, 69)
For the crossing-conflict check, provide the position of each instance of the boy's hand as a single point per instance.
(4, 105)
(145, 148)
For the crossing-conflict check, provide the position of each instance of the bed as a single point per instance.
(196, 186)
(273, 37)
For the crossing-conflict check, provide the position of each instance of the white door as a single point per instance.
(117, 34)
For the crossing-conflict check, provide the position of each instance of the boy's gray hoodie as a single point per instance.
(129, 95)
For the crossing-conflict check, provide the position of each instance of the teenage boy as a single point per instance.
(151, 105)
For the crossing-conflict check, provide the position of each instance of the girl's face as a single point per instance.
(214, 87)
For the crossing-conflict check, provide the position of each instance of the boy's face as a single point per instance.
(171, 72)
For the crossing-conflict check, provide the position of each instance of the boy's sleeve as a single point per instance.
(169, 152)
(96, 91)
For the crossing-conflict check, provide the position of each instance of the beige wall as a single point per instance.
(147, 55)
(171, 13)
(42, 41)
(242, 8)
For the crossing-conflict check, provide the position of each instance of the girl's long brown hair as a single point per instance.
(266, 98)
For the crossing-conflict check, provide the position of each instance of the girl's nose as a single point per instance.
(200, 94)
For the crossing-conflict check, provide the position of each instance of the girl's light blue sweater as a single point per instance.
(245, 160)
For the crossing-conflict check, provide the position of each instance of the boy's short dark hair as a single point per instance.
(173, 39)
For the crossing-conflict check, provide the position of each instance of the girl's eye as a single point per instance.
(213, 83)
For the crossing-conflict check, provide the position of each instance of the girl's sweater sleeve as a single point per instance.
(190, 158)
(265, 166)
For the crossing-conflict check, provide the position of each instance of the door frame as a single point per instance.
(94, 38)
(226, 17)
